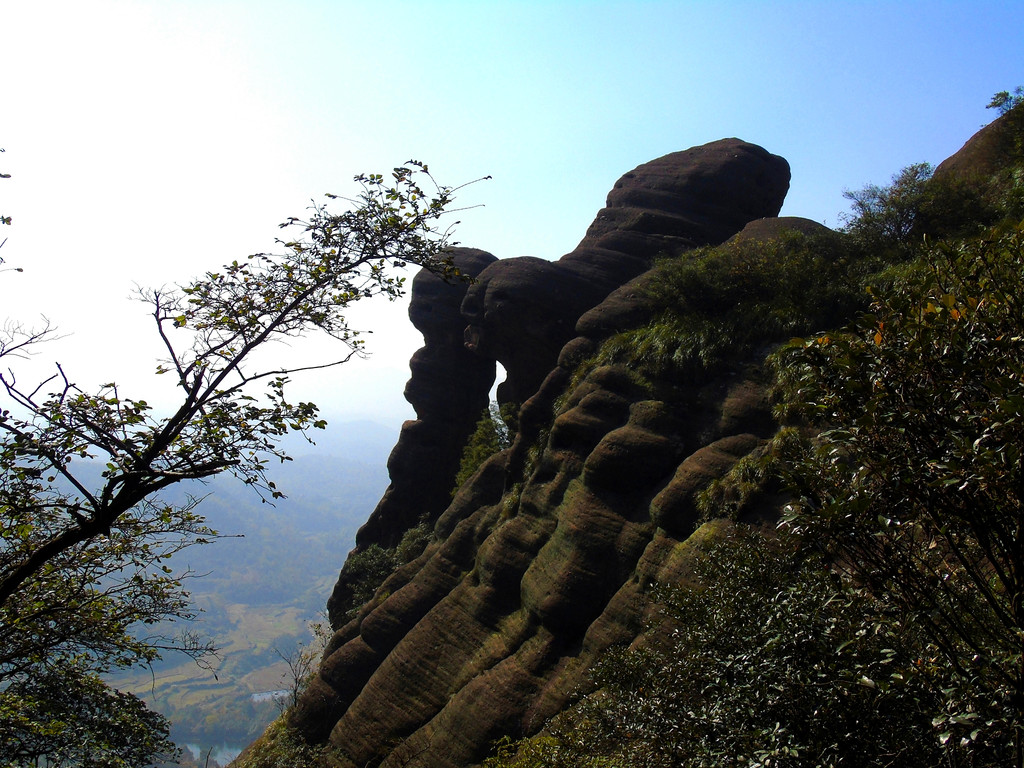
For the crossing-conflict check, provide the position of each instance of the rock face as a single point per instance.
(522, 311)
(548, 555)
(544, 558)
(491, 631)
(984, 154)
(449, 390)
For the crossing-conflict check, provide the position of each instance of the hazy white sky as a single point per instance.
(149, 141)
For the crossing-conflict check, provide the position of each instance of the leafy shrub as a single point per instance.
(916, 482)
(883, 218)
(366, 571)
(413, 542)
(891, 223)
(70, 717)
(369, 568)
(281, 747)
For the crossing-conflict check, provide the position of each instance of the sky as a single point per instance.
(150, 141)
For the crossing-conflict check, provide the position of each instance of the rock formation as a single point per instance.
(548, 555)
(985, 153)
(543, 558)
(448, 390)
(521, 311)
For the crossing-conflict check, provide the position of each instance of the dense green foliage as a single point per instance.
(83, 560)
(281, 747)
(883, 219)
(69, 717)
(915, 484)
(368, 568)
(765, 659)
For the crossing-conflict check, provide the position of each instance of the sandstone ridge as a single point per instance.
(549, 554)
(521, 311)
(544, 558)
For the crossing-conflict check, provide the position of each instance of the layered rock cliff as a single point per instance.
(547, 556)
(543, 558)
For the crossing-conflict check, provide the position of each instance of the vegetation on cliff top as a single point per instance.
(715, 305)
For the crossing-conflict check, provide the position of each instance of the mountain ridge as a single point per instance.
(548, 555)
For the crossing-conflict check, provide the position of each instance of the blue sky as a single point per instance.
(149, 141)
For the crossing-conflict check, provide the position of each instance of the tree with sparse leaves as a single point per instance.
(302, 663)
(83, 569)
